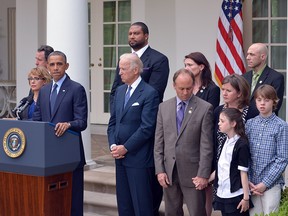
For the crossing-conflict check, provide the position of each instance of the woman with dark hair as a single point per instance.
(204, 86)
(236, 94)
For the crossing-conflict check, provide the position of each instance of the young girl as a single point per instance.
(231, 179)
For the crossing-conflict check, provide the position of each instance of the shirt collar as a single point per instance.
(186, 102)
(233, 139)
(140, 51)
(60, 81)
(260, 71)
(267, 119)
(136, 83)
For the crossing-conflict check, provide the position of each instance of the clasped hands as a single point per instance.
(258, 189)
(118, 151)
(200, 183)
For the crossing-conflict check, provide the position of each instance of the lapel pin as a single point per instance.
(190, 110)
(260, 81)
(63, 90)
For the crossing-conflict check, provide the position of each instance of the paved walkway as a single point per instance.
(100, 151)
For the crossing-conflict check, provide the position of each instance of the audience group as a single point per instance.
(228, 157)
(194, 150)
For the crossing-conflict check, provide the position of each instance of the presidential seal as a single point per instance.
(14, 142)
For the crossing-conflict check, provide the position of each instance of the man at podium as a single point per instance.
(67, 109)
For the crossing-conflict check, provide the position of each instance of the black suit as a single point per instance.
(155, 72)
(270, 77)
(210, 93)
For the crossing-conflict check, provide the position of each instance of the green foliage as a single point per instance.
(283, 209)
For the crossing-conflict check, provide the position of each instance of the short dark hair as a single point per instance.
(47, 50)
(58, 53)
(143, 27)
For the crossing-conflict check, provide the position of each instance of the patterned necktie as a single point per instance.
(180, 115)
(254, 81)
(127, 95)
(53, 97)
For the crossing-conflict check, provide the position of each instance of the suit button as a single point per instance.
(173, 158)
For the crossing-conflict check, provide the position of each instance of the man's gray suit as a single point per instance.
(190, 152)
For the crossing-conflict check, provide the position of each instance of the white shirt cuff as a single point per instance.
(113, 145)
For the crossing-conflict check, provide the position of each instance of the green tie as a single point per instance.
(254, 81)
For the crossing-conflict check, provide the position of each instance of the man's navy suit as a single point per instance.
(70, 106)
(155, 72)
(134, 127)
(270, 77)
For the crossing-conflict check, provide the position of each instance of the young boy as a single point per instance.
(268, 135)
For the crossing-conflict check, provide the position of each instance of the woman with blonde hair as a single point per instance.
(37, 78)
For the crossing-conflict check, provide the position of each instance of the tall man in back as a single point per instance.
(67, 108)
(183, 149)
(131, 139)
(155, 64)
(262, 74)
(155, 73)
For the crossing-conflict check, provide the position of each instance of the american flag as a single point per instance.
(229, 45)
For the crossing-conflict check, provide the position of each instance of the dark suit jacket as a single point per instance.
(270, 77)
(155, 73)
(134, 125)
(70, 106)
(211, 94)
(192, 150)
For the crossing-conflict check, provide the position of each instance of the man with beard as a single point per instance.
(155, 72)
(156, 65)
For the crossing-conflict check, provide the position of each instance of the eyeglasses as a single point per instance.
(35, 78)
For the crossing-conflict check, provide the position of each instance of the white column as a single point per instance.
(67, 31)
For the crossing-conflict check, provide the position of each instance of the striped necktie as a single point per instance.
(127, 95)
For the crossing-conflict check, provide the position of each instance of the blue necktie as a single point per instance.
(127, 95)
(180, 115)
(53, 97)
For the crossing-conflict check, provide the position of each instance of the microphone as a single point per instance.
(23, 101)
(28, 102)
(20, 109)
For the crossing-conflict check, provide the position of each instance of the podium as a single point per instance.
(36, 169)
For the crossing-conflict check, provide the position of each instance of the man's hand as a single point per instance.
(61, 128)
(163, 180)
(118, 151)
(200, 183)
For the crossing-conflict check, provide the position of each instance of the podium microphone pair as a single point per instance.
(26, 101)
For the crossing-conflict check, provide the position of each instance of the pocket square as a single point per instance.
(135, 104)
